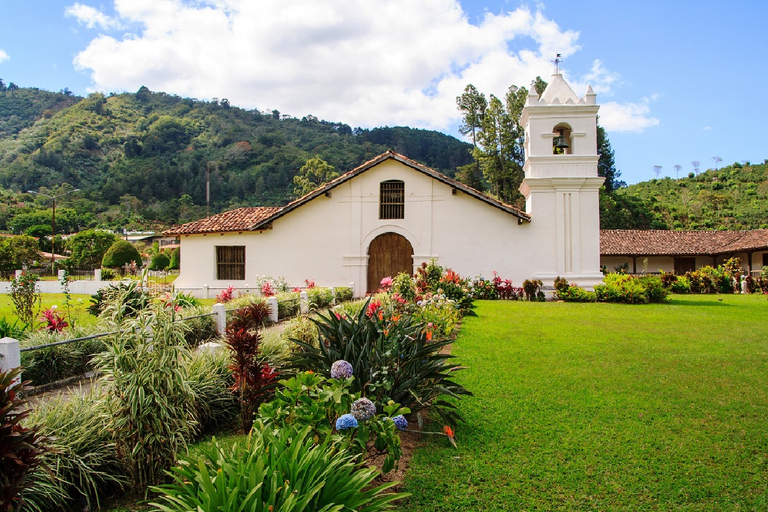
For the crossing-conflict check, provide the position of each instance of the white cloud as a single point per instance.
(4, 56)
(91, 17)
(367, 63)
(706, 128)
(627, 117)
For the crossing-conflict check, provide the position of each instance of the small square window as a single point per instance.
(392, 200)
(230, 262)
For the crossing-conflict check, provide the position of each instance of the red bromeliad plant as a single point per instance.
(226, 295)
(254, 379)
(54, 321)
(21, 447)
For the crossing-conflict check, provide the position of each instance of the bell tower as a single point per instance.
(561, 184)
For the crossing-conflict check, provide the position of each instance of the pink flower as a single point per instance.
(386, 282)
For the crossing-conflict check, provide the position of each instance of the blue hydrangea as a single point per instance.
(346, 421)
(363, 409)
(341, 370)
(400, 422)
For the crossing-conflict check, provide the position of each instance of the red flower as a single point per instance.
(449, 432)
(373, 307)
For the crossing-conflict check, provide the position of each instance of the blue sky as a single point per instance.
(678, 81)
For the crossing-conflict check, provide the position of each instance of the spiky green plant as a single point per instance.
(275, 471)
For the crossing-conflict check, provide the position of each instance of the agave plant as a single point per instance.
(392, 359)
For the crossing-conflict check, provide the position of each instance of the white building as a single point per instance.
(391, 214)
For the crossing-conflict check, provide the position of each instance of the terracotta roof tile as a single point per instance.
(241, 219)
(635, 242)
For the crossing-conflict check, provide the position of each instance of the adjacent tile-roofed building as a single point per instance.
(681, 247)
(241, 219)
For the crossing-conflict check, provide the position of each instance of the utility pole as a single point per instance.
(53, 222)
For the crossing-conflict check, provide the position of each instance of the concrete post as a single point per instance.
(205, 291)
(744, 286)
(333, 296)
(221, 318)
(61, 274)
(97, 275)
(10, 356)
(303, 303)
(18, 273)
(352, 287)
(272, 301)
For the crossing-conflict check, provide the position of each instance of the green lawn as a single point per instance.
(78, 305)
(606, 407)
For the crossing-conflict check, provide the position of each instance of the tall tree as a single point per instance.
(606, 165)
(312, 174)
(472, 105)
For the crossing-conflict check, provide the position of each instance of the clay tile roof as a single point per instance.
(241, 219)
(635, 242)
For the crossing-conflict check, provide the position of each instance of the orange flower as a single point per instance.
(449, 432)
(429, 335)
(395, 318)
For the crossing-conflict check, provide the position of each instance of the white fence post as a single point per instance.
(221, 318)
(303, 303)
(18, 273)
(61, 274)
(272, 301)
(205, 291)
(97, 275)
(333, 295)
(10, 356)
(352, 286)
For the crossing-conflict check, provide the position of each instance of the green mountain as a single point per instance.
(734, 197)
(145, 155)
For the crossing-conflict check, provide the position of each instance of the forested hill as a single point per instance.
(734, 197)
(149, 149)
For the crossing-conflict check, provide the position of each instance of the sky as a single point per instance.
(678, 81)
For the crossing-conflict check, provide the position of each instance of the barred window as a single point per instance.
(230, 262)
(392, 199)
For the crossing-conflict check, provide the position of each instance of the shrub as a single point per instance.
(572, 293)
(21, 447)
(668, 279)
(150, 401)
(343, 294)
(288, 305)
(175, 261)
(210, 379)
(319, 298)
(226, 295)
(12, 330)
(121, 253)
(278, 470)
(25, 297)
(309, 400)
(160, 261)
(681, 285)
(531, 288)
(108, 274)
(83, 462)
(654, 289)
(404, 286)
(392, 359)
(128, 295)
(198, 330)
(254, 379)
(484, 289)
(439, 314)
(303, 329)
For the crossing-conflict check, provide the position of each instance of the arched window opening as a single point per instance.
(562, 144)
(392, 199)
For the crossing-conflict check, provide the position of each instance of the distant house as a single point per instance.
(391, 214)
(651, 251)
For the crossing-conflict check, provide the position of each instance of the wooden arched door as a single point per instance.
(388, 255)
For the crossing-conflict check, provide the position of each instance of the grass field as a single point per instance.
(78, 305)
(606, 407)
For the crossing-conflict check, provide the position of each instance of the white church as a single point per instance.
(391, 214)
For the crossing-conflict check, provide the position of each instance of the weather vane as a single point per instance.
(557, 62)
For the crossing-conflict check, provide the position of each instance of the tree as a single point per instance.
(160, 261)
(18, 252)
(657, 170)
(717, 160)
(88, 248)
(695, 165)
(677, 170)
(606, 165)
(121, 253)
(472, 104)
(314, 173)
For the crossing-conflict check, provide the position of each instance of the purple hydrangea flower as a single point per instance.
(363, 409)
(346, 421)
(400, 422)
(341, 370)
